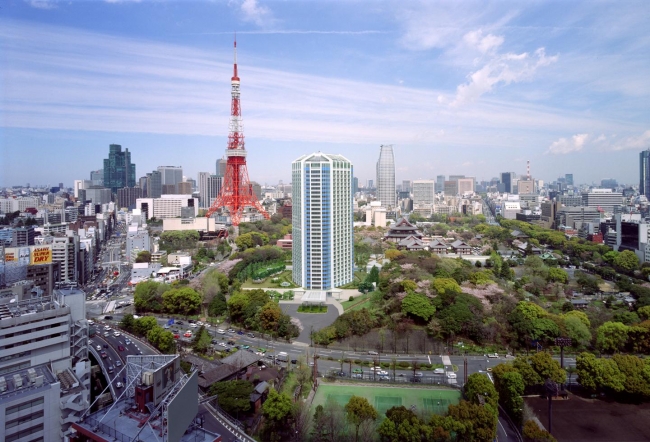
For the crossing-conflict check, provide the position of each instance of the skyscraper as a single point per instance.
(644, 172)
(154, 184)
(424, 191)
(322, 219)
(119, 171)
(170, 175)
(386, 176)
(440, 183)
(506, 179)
(569, 179)
(221, 167)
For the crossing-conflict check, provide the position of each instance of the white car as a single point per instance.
(193, 325)
(119, 385)
(451, 375)
(373, 353)
(221, 331)
(439, 371)
(493, 355)
(116, 334)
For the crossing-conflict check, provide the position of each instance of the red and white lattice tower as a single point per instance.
(236, 190)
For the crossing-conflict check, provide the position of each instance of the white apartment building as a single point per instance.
(167, 206)
(465, 185)
(604, 199)
(44, 369)
(424, 192)
(65, 251)
(322, 218)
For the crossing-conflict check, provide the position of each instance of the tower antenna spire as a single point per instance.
(236, 191)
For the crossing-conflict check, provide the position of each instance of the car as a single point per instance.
(311, 364)
(221, 331)
(118, 363)
(293, 361)
(493, 355)
(103, 355)
(105, 333)
(107, 327)
(240, 332)
(179, 322)
(116, 334)
(108, 317)
(90, 322)
(418, 374)
(221, 344)
(384, 377)
(439, 371)
(451, 375)
(261, 350)
(191, 321)
(231, 342)
(99, 348)
(373, 353)
(415, 379)
(357, 376)
(188, 334)
(120, 348)
(230, 330)
(105, 345)
(245, 347)
(119, 384)
(357, 370)
(166, 326)
(193, 325)
(127, 341)
(176, 336)
(250, 335)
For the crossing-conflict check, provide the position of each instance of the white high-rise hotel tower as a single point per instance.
(323, 231)
(386, 177)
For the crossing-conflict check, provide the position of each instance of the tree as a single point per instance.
(237, 305)
(532, 432)
(358, 410)
(479, 385)
(201, 341)
(365, 287)
(269, 316)
(510, 386)
(143, 256)
(418, 305)
(446, 287)
(184, 300)
(473, 422)
(537, 368)
(577, 331)
(611, 336)
(393, 254)
(556, 274)
(626, 261)
(644, 312)
(373, 276)
(148, 296)
(637, 381)
(596, 373)
(329, 423)
(277, 412)
(233, 396)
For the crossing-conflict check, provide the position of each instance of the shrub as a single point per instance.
(351, 298)
(403, 364)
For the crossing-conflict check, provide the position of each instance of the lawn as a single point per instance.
(433, 400)
(269, 282)
(363, 299)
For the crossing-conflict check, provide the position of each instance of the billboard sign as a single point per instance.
(164, 379)
(183, 409)
(32, 255)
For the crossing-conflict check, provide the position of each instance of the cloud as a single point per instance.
(42, 4)
(297, 31)
(255, 13)
(637, 142)
(485, 44)
(501, 69)
(563, 146)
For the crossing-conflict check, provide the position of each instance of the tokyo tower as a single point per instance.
(236, 190)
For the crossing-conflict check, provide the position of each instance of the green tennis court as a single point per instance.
(382, 398)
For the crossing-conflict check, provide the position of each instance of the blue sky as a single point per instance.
(458, 87)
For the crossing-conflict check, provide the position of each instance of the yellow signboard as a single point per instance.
(41, 255)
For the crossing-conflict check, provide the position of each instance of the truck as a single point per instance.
(282, 357)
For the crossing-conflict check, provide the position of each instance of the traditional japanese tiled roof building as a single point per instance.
(402, 230)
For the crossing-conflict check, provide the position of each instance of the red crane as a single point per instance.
(236, 190)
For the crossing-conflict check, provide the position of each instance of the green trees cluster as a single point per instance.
(626, 375)
(353, 322)
(233, 396)
(151, 296)
(274, 229)
(214, 286)
(147, 327)
(261, 270)
(256, 310)
(148, 296)
(277, 412)
(183, 301)
(256, 255)
(251, 239)
(179, 239)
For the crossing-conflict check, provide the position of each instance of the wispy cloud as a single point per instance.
(42, 4)
(602, 142)
(567, 145)
(299, 32)
(501, 69)
(255, 13)
(484, 44)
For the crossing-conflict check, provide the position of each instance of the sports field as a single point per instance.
(383, 398)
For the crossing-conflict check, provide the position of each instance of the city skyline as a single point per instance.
(455, 90)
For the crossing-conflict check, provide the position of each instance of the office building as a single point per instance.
(386, 177)
(220, 169)
(609, 183)
(451, 187)
(65, 251)
(602, 199)
(154, 184)
(525, 187)
(440, 183)
(170, 175)
(465, 185)
(570, 200)
(119, 171)
(423, 192)
(45, 370)
(355, 185)
(167, 206)
(568, 178)
(371, 184)
(137, 240)
(97, 177)
(644, 173)
(322, 219)
(507, 178)
(407, 186)
(126, 197)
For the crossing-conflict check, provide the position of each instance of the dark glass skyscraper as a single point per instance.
(119, 171)
(644, 172)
